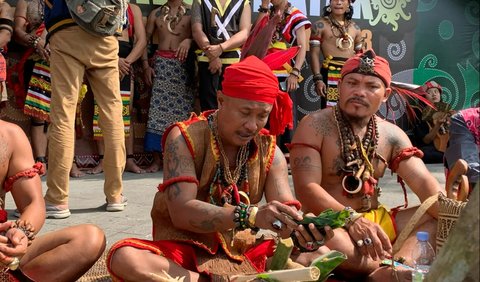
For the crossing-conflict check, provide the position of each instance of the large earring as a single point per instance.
(348, 10)
(329, 9)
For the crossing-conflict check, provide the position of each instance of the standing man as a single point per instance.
(335, 37)
(219, 28)
(75, 53)
(172, 97)
(338, 154)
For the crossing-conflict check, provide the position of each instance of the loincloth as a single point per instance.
(331, 72)
(218, 266)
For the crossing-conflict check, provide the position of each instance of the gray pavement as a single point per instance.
(87, 203)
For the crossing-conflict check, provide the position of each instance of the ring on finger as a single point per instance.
(360, 243)
(367, 241)
(277, 224)
(320, 242)
(310, 246)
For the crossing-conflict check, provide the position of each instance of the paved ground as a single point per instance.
(87, 203)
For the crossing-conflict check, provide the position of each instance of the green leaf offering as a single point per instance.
(329, 217)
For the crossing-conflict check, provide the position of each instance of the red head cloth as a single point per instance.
(251, 79)
(431, 84)
(368, 63)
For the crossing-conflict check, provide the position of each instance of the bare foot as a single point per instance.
(154, 167)
(75, 172)
(98, 169)
(386, 273)
(131, 166)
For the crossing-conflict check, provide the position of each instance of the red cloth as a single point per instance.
(184, 254)
(251, 79)
(359, 64)
(431, 84)
(3, 68)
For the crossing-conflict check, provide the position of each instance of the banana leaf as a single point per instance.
(327, 263)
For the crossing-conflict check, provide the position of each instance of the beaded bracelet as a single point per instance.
(241, 216)
(317, 77)
(26, 228)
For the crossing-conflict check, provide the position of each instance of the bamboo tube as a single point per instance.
(311, 273)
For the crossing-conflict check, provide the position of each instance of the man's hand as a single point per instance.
(321, 88)
(312, 239)
(370, 239)
(213, 51)
(182, 51)
(292, 83)
(13, 243)
(215, 66)
(123, 67)
(148, 74)
(277, 217)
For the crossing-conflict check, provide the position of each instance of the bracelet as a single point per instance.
(262, 9)
(295, 69)
(252, 210)
(26, 228)
(241, 216)
(351, 218)
(317, 77)
(221, 47)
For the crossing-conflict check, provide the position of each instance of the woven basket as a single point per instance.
(448, 212)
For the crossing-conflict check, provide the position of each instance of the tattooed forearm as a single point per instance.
(208, 225)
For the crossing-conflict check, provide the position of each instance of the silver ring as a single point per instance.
(320, 242)
(277, 224)
(360, 243)
(367, 241)
(14, 264)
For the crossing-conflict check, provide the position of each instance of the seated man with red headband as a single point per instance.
(217, 168)
(337, 156)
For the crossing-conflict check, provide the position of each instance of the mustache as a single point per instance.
(358, 100)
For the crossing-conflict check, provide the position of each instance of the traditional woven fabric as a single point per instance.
(37, 103)
(331, 73)
(448, 213)
(125, 93)
(172, 98)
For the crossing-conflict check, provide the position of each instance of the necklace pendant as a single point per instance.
(366, 202)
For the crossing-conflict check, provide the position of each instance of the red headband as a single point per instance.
(370, 64)
(251, 79)
(431, 84)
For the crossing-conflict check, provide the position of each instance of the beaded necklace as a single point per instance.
(357, 155)
(344, 40)
(225, 183)
(171, 20)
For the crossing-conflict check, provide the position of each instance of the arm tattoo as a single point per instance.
(196, 12)
(158, 13)
(317, 27)
(304, 163)
(210, 224)
(396, 143)
(176, 165)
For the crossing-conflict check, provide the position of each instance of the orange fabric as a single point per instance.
(403, 155)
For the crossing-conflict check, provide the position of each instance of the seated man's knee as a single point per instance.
(93, 240)
(126, 261)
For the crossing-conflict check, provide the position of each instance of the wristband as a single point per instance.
(252, 216)
(262, 9)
